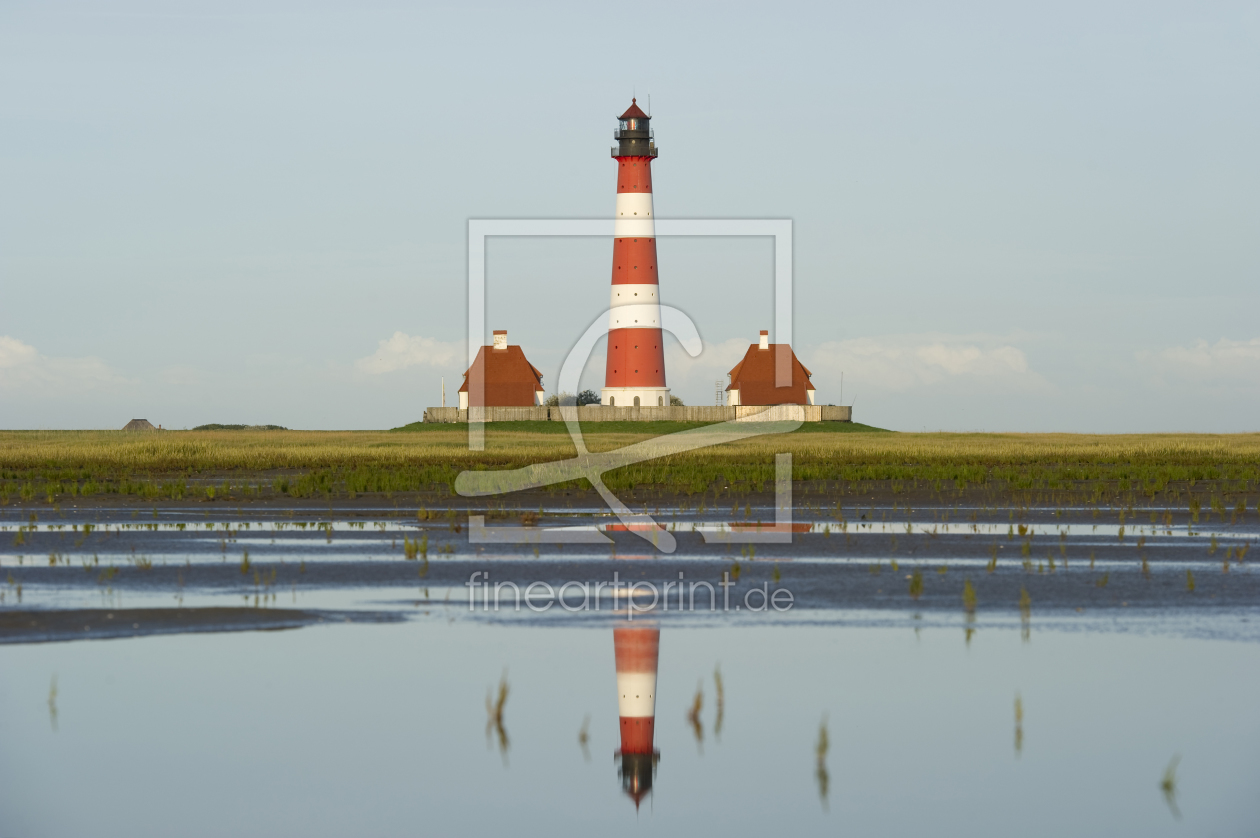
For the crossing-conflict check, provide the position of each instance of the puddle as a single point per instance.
(384, 729)
(874, 705)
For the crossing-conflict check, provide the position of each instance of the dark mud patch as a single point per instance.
(40, 626)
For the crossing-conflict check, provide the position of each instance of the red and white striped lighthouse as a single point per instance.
(635, 375)
(637, 650)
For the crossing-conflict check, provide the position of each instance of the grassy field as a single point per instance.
(49, 466)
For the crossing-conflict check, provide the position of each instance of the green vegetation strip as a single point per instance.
(48, 465)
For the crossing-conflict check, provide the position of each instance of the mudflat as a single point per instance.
(42, 625)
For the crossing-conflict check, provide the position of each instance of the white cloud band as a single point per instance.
(901, 362)
(402, 351)
(22, 366)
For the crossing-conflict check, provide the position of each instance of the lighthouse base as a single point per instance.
(634, 397)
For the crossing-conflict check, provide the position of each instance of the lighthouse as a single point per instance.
(637, 650)
(635, 373)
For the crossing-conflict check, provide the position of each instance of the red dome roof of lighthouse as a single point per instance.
(634, 111)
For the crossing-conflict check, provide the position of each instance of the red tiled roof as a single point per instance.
(510, 380)
(634, 111)
(753, 377)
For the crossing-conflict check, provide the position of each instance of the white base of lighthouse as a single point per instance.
(634, 396)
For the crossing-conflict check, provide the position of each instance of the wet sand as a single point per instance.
(41, 626)
(1070, 561)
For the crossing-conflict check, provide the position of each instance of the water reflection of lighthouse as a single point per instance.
(637, 650)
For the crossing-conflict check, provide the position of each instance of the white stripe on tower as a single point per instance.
(636, 694)
(634, 215)
(635, 317)
(634, 205)
(628, 295)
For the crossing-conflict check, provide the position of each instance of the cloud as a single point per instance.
(14, 353)
(402, 351)
(22, 366)
(1234, 359)
(903, 362)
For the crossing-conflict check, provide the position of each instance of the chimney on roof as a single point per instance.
(765, 340)
(500, 338)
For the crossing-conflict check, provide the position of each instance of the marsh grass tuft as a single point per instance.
(693, 713)
(1025, 614)
(494, 714)
(719, 688)
(820, 762)
(916, 585)
(413, 548)
(1168, 785)
(52, 703)
(1190, 580)
(1019, 724)
(969, 597)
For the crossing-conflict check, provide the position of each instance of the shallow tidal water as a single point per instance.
(382, 729)
(381, 726)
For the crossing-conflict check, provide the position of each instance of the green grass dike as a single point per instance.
(646, 428)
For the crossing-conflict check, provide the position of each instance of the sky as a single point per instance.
(1006, 217)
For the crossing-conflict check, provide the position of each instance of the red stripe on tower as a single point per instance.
(635, 372)
(637, 651)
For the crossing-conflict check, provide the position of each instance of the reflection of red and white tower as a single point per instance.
(635, 375)
(637, 650)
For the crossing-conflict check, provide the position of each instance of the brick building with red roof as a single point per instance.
(753, 379)
(508, 379)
